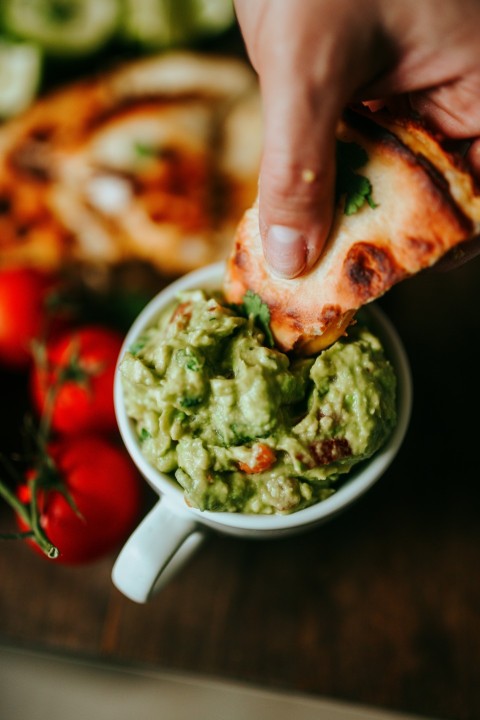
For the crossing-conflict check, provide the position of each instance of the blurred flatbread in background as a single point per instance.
(154, 161)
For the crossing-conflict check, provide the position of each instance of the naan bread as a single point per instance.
(132, 164)
(426, 204)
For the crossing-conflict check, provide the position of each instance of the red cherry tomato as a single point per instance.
(106, 491)
(23, 294)
(83, 400)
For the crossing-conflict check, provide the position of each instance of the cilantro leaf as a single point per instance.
(356, 188)
(144, 150)
(256, 308)
(144, 434)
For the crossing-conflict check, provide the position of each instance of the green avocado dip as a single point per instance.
(243, 427)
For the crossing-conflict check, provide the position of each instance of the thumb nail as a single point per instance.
(285, 251)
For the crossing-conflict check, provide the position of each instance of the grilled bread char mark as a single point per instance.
(426, 205)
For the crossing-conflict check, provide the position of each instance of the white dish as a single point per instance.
(173, 530)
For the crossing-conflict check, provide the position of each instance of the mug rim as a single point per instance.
(353, 485)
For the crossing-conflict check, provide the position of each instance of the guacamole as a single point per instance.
(243, 427)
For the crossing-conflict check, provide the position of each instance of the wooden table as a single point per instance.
(381, 606)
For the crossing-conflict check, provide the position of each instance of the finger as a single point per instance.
(459, 255)
(296, 179)
(453, 109)
(307, 57)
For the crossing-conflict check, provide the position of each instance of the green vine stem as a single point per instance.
(30, 518)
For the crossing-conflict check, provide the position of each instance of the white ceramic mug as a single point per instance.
(172, 531)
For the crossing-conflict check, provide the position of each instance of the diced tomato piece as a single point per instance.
(263, 457)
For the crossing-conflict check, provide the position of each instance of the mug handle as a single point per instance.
(155, 552)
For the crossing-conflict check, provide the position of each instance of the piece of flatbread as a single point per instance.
(132, 164)
(426, 204)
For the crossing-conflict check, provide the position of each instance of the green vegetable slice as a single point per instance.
(62, 27)
(213, 16)
(169, 23)
(20, 70)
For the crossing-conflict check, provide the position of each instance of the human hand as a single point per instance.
(314, 58)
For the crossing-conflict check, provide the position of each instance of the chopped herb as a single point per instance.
(138, 345)
(144, 434)
(192, 364)
(356, 188)
(144, 150)
(256, 308)
(241, 437)
(188, 402)
(186, 358)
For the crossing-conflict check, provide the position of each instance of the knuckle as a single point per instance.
(295, 188)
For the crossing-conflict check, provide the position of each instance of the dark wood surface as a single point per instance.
(380, 606)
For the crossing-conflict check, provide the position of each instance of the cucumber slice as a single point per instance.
(62, 27)
(169, 23)
(213, 16)
(20, 70)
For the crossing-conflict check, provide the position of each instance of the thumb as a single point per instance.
(296, 176)
(307, 58)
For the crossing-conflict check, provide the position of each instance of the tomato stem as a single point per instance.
(50, 550)
(46, 475)
(46, 418)
(29, 515)
(14, 502)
